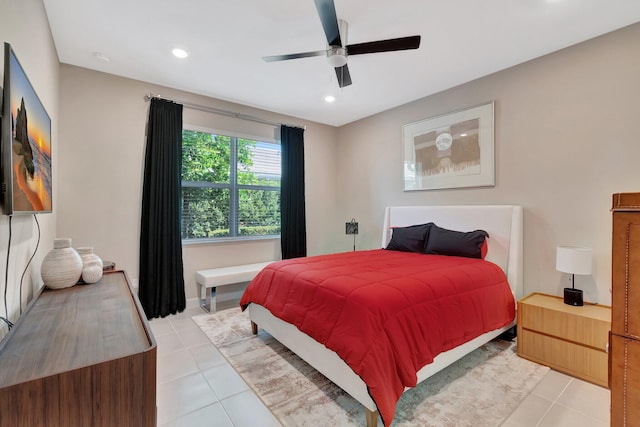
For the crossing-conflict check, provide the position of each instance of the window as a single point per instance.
(230, 187)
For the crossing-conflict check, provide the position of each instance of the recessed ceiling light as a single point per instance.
(329, 98)
(463, 134)
(179, 53)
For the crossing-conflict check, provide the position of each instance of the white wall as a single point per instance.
(24, 25)
(103, 121)
(566, 138)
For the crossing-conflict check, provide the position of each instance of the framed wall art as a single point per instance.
(453, 150)
(26, 144)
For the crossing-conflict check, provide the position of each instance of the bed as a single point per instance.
(503, 251)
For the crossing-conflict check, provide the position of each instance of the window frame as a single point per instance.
(233, 186)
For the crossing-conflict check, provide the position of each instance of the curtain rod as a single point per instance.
(149, 96)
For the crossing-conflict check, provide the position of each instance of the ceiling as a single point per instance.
(461, 40)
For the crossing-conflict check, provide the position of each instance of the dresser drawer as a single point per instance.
(574, 359)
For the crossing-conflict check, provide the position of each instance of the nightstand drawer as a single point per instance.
(574, 359)
(567, 338)
(572, 325)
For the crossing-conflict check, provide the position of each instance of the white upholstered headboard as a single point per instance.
(502, 222)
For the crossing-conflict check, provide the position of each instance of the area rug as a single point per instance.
(481, 389)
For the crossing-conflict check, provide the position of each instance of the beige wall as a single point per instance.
(24, 25)
(565, 141)
(102, 122)
(566, 138)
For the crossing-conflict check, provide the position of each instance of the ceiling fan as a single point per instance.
(338, 51)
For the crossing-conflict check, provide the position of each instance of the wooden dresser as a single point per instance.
(81, 356)
(564, 337)
(625, 302)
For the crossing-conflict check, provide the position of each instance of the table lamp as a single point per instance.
(573, 260)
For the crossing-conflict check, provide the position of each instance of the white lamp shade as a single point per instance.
(573, 259)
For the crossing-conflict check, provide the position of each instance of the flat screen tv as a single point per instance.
(26, 143)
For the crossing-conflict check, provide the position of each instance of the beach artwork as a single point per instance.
(31, 146)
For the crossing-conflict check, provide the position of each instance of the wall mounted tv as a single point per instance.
(26, 144)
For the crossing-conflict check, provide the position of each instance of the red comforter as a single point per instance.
(386, 313)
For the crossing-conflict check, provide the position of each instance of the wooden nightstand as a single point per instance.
(569, 339)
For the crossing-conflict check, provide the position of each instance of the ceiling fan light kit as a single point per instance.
(337, 56)
(338, 50)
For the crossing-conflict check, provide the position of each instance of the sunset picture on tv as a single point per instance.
(29, 185)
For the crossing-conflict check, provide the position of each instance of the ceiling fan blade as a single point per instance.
(293, 56)
(402, 43)
(344, 78)
(327, 12)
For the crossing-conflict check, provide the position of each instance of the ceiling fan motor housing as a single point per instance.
(337, 56)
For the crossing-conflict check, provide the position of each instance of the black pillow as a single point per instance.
(409, 239)
(455, 243)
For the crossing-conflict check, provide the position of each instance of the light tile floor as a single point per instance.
(197, 387)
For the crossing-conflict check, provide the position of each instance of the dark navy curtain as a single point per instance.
(161, 286)
(293, 234)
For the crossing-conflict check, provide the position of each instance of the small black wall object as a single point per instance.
(351, 227)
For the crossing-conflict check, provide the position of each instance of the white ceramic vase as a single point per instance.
(62, 267)
(91, 265)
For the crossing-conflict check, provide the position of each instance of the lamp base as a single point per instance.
(573, 296)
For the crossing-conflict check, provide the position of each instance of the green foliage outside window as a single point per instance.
(221, 199)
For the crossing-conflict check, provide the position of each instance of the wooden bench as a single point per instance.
(210, 279)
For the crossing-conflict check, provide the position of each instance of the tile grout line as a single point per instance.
(574, 409)
(238, 373)
(554, 402)
(200, 370)
(581, 413)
